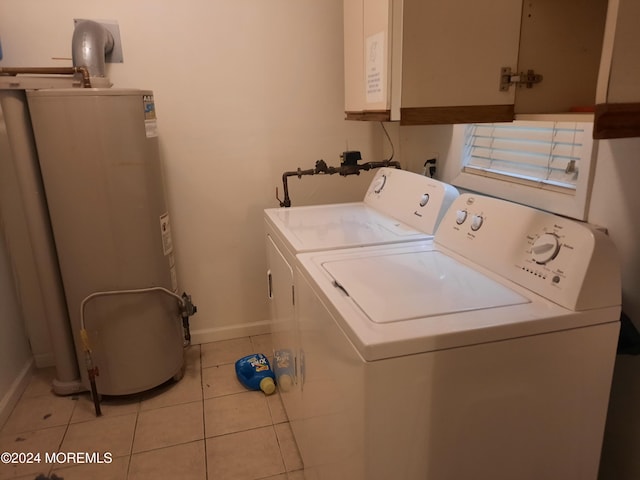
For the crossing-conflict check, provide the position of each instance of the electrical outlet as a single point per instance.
(429, 164)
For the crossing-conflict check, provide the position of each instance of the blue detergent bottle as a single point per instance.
(254, 372)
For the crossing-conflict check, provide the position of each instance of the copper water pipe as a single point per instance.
(86, 81)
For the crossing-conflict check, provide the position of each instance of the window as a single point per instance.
(544, 164)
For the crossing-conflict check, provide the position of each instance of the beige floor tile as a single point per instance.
(109, 406)
(105, 434)
(288, 447)
(167, 426)
(114, 470)
(192, 357)
(225, 351)
(164, 427)
(220, 380)
(233, 413)
(278, 414)
(187, 390)
(244, 455)
(263, 344)
(184, 462)
(41, 442)
(39, 412)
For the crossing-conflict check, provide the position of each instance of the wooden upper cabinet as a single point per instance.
(441, 62)
(425, 61)
(452, 55)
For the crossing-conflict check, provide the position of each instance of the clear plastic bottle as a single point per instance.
(283, 368)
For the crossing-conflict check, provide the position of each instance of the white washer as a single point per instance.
(487, 354)
(398, 207)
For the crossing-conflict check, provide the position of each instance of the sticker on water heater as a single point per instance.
(150, 122)
(165, 229)
(151, 128)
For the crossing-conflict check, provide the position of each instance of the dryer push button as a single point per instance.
(476, 222)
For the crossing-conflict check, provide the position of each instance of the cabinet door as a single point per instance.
(376, 31)
(452, 53)
(367, 54)
(353, 56)
(562, 41)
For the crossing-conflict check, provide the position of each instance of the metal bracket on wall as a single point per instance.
(507, 78)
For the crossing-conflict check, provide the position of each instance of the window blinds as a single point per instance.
(540, 154)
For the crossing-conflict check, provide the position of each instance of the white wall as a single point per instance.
(244, 91)
(616, 204)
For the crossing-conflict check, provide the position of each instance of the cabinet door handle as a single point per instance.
(269, 284)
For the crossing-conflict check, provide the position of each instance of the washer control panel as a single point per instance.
(415, 200)
(568, 262)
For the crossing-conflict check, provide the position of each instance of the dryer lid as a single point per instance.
(394, 287)
(341, 225)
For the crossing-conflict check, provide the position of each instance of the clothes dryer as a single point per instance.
(486, 354)
(398, 207)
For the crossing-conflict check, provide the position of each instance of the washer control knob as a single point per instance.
(378, 185)
(476, 222)
(545, 248)
(424, 200)
(461, 216)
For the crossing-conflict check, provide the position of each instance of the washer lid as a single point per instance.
(394, 287)
(340, 225)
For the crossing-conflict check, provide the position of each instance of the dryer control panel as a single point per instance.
(568, 262)
(417, 201)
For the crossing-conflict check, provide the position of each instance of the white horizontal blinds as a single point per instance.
(540, 154)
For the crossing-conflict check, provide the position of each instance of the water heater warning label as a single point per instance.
(150, 123)
(165, 229)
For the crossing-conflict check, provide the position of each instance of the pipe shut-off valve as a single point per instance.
(187, 309)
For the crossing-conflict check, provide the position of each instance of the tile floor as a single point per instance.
(205, 427)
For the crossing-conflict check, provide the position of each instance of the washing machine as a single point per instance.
(398, 207)
(486, 354)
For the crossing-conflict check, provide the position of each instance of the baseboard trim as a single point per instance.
(19, 385)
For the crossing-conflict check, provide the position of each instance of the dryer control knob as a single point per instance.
(461, 216)
(545, 248)
(424, 199)
(476, 222)
(378, 185)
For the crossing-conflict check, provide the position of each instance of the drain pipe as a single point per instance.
(90, 43)
(18, 121)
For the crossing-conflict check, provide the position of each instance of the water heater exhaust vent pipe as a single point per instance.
(89, 45)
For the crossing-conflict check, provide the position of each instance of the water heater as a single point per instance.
(98, 154)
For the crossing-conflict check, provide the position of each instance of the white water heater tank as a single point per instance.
(98, 153)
